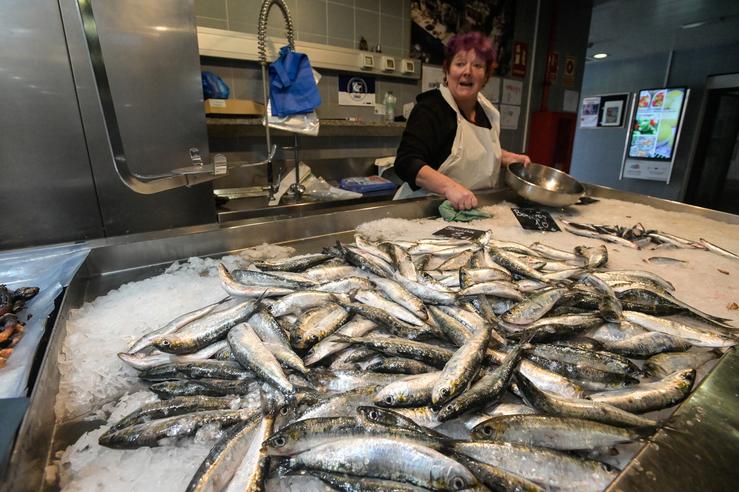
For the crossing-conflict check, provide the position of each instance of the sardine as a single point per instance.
(662, 365)
(541, 465)
(411, 391)
(205, 330)
(561, 433)
(196, 370)
(534, 307)
(496, 478)
(236, 288)
(371, 298)
(391, 459)
(646, 397)
(402, 261)
(681, 330)
(399, 347)
(176, 406)
(648, 344)
(205, 387)
(345, 286)
(718, 249)
(293, 264)
(158, 358)
(172, 326)
(268, 279)
(583, 409)
(399, 294)
(594, 257)
(330, 345)
(398, 365)
(223, 460)
(150, 434)
(497, 288)
(318, 324)
(297, 302)
(252, 470)
(486, 390)
(251, 353)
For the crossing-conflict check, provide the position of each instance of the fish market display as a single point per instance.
(434, 364)
(11, 328)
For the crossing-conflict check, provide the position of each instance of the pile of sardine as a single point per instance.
(12, 302)
(438, 364)
(639, 237)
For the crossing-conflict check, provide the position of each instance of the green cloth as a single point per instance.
(450, 214)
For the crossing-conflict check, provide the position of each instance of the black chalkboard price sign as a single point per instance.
(459, 233)
(534, 219)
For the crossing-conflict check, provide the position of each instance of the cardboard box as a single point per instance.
(233, 107)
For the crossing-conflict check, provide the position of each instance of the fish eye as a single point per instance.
(373, 414)
(284, 410)
(165, 342)
(445, 392)
(279, 441)
(458, 483)
(487, 430)
(388, 399)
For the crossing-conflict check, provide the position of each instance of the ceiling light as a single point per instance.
(599, 56)
(693, 25)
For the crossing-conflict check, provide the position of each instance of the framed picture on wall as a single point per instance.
(611, 112)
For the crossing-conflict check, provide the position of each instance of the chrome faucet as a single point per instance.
(261, 34)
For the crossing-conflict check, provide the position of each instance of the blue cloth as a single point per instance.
(292, 87)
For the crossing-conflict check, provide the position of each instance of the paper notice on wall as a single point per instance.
(509, 116)
(569, 102)
(431, 77)
(512, 92)
(589, 112)
(492, 90)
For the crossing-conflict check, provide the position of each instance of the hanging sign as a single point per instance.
(520, 59)
(356, 91)
(552, 66)
(568, 74)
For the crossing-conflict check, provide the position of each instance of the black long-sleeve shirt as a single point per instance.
(429, 135)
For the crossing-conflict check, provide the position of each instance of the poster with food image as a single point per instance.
(658, 99)
(654, 129)
(642, 145)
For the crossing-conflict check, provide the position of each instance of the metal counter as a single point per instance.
(695, 450)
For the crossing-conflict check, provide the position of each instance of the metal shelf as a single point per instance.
(252, 127)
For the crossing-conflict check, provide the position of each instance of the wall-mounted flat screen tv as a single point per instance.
(656, 123)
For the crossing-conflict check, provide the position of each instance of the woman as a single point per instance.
(451, 143)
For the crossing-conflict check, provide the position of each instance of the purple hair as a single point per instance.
(482, 45)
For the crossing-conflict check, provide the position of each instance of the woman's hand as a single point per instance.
(432, 180)
(460, 197)
(507, 158)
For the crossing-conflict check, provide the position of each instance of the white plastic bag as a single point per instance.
(319, 188)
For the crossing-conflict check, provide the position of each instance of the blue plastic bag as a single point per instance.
(214, 87)
(293, 89)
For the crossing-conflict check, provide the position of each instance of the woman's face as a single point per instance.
(466, 75)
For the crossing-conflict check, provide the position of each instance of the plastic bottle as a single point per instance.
(389, 102)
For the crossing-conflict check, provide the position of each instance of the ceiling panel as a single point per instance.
(637, 28)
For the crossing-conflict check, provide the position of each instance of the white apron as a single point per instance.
(474, 161)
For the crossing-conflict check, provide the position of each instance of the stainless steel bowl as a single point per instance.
(544, 185)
